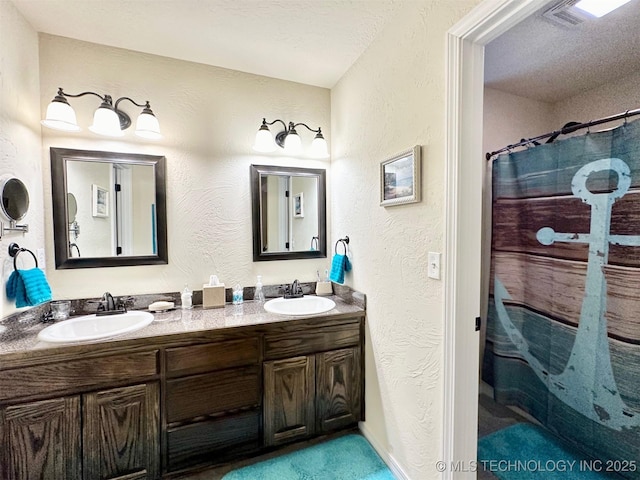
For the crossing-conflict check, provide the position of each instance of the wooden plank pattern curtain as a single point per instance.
(563, 329)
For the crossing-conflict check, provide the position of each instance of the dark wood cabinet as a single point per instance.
(312, 394)
(120, 433)
(83, 428)
(212, 402)
(338, 389)
(159, 407)
(41, 440)
(289, 400)
(118, 427)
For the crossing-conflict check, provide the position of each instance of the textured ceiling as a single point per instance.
(307, 41)
(544, 61)
(316, 41)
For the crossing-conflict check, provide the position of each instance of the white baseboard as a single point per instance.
(387, 458)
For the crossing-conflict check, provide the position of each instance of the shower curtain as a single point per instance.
(563, 327)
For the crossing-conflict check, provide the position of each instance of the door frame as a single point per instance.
(464, 174)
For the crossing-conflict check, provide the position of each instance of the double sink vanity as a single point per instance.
(191, 388)
(150, 395)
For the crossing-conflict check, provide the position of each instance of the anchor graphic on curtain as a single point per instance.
(587, 383)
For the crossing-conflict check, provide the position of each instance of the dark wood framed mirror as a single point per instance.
(288, 207)
(120, 208)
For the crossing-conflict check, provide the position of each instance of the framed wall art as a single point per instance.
(99, 201)
(400, 178)
(298, 205)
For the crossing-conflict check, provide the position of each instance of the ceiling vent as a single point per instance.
(564, 13)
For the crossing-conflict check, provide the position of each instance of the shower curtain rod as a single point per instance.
(568, 128)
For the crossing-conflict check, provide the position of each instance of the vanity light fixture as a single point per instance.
(289, 140)
(108, 119)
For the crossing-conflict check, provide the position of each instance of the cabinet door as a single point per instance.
(120, 433)
(289, 391)
(41, 440)
(338, 389)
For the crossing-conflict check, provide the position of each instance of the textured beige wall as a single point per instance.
(508, 118)
(209, 117)
(600, 101)
(391, 99)
(20, 150)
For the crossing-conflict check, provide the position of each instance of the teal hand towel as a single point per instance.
(28, 287)
(339, 265)
(15, 289)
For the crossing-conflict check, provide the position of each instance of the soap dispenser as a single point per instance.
(258, 296)
(186, 298)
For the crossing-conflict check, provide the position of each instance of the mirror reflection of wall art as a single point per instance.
(99, 201)
(400, 178)
(298, 205)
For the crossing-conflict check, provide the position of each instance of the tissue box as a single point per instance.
(323, 288)
(213, 296)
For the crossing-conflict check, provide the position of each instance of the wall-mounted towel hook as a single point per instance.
(15, 250)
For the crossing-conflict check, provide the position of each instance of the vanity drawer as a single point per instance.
(214, 440)
(61, 377)
(212, 356)
(311, 340)
(212, 393)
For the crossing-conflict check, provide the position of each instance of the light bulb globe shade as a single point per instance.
(319, 147)
(292, 144)
(106, 122)
(147, 126)
(61, 116)
(264, 141)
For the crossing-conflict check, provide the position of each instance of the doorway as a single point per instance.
(463, 218)
(467, 41)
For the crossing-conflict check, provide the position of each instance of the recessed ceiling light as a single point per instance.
(599, 8)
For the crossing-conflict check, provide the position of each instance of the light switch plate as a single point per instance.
(42, 261)
(433, 270)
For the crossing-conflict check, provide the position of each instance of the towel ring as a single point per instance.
(15, 250)
(314, 243)
(345, 242)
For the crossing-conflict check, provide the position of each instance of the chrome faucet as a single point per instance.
(294, 290)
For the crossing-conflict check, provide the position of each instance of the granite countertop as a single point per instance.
(21, 336)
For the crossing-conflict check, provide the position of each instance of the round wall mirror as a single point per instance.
(15, 198)
(72, 207)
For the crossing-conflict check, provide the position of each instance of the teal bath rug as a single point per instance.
(345, 458)
(528, 452)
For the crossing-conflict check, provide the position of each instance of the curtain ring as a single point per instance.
(626, 118)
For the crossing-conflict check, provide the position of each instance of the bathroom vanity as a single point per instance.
(204, 387)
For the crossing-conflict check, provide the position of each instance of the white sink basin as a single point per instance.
(92, 327)
(299, 306)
